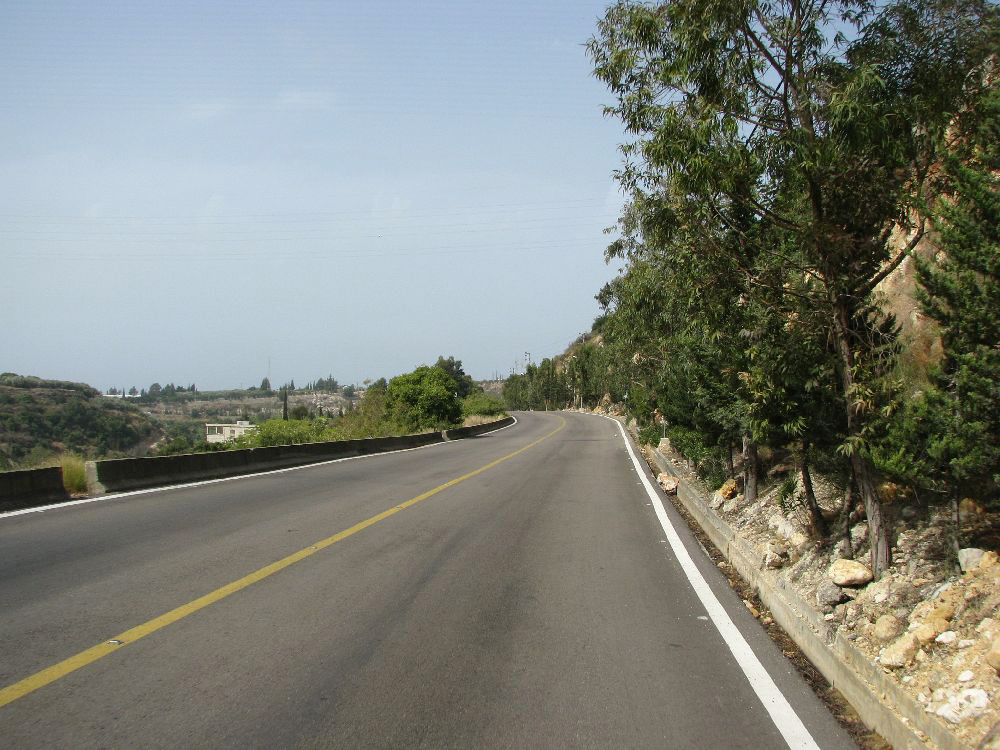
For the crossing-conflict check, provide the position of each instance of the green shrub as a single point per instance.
(482, 404)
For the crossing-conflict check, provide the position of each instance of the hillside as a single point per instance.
(40, 417)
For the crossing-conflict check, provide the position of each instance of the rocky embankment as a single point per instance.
(932, 622)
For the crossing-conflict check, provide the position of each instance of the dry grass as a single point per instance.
(74, 476)
(474, 419)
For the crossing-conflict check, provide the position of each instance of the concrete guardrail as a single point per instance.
(31, 487)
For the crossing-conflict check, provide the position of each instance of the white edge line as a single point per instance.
(777, 706)
(164, 488)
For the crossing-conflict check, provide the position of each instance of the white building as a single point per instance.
(221, 433)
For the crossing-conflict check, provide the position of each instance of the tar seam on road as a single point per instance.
(48, 675)
(186, 485)
(777, 706)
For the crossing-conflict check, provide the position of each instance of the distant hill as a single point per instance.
(40, 417)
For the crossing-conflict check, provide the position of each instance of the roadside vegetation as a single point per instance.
(787, 160)
(41, 419)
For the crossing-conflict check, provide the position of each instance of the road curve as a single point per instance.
(534, 602)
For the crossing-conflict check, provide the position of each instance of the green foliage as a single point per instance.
(483, 404)
(463, 383)
(947, 438)
(299, 411)
(767, 170)
(39, 418)
(422, 399)
(287, 432)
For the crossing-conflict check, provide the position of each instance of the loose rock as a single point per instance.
(901, 652)
(886, 628)
(849, 573)
(946, 637)
(993, 655)
(729, 489)
(828, 594)
(967, 704)
(969, 558)
(668, 483)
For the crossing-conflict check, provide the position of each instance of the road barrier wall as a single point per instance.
(31, 487)
(123, 474)
(117, 475)
(879, 701)
(463, 432)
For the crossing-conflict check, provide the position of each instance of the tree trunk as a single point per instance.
(848, 510)
(749, 470)
(818, 522)
(730, 469)
(878, 536)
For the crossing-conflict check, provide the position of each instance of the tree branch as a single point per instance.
(897, 260)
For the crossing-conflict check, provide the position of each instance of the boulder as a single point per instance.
(946, 637)
(849, 573)
(887, 627)
(969, 558)
(732, 504)
(668, 483)
(900, 652)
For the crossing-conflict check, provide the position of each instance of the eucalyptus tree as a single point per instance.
(820, 119)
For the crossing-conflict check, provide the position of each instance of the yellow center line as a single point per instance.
(48, 675)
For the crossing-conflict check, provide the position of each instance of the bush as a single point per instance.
(422, 399)
(482, 404)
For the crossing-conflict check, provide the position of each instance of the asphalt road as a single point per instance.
(535, 603)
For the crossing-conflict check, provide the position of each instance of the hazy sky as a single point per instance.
(189, 190)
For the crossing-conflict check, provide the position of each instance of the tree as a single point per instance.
(760, 119)
(423, 398)
(463, 383)
(265, 384)
(154, 390)
(947, 438)
(348, 391)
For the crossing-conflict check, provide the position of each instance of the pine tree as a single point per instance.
(961, 292)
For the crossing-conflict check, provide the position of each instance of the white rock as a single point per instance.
(966, 642)
(849, 573)
(966, 675)
(946, 637)
(967, 704)
(668, 483)
(969, 557)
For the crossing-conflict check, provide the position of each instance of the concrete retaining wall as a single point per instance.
(878, 699)
(31, 487)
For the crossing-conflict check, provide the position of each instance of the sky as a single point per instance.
(209, 192)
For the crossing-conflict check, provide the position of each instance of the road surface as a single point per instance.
(515, 590)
